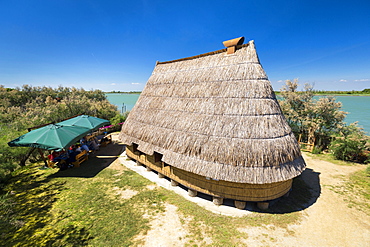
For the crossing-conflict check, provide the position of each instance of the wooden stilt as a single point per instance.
(240, 204)
(174, 183)
(218, 200)
(192, 193)
(138, 163)
(148, 169)
(160, 175)
(263, 205)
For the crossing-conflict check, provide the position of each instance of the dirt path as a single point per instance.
(330, 222)
(327, 222)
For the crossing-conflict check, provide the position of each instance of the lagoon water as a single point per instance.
(123, 101)
(358, 107)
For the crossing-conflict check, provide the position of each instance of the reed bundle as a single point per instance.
(215, 115)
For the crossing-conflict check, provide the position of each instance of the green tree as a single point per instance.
(315, 120)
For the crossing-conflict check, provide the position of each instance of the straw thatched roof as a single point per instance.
(215, 115)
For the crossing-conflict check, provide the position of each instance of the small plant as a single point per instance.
(350, 144)
(317, 150)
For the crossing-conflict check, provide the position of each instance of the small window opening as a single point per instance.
(134, 147)
(157, 157)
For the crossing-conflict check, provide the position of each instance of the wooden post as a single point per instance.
(174, 183)
(263, 205)
(217, 200)
(160, 175)
(240, 204)
(192, 193)
(148, 169)
(138, 163)
(24, 159)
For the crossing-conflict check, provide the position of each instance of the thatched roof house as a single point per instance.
(215, 115)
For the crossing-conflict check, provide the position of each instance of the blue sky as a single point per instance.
(114, 45)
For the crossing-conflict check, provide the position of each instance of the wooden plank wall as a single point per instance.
(223, 189)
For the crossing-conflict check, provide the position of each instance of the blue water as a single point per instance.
(358, 107)
(123, 101)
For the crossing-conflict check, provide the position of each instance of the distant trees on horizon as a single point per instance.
(131, 92)
(324, 92)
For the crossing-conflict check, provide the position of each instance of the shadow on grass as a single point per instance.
(30, 221)
(95, 164)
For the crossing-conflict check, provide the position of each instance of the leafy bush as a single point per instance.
(317, 150)
(350, 144)
(119, 118)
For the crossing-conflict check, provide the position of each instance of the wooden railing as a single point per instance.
(306, 146)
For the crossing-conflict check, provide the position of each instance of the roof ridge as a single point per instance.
(202, 55)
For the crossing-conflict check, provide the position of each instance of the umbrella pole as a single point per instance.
(43, 157)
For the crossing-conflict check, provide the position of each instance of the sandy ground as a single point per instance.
(327, 222)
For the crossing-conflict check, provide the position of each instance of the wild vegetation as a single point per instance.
(116, 206)
(44, 209)
(353, 92)
(351, 144)
(40, 208)
(321, 122)
(26, 107)
(365, 92)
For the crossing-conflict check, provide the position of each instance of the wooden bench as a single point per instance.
(81, 157)
(90, 137)
(105, 140)
(52, 164)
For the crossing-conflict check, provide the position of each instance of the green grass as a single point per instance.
(45, 210)
(76, 211)
(358, 190)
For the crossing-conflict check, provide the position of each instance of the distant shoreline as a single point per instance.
(276, 92)
(365, 92)
(134, 92)
(345, 93)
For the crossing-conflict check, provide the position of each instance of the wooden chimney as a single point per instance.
(232, 44)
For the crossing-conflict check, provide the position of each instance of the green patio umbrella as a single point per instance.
(92, 123)
(51, 137)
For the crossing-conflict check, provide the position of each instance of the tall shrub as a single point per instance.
(351, 144)
(314, 120)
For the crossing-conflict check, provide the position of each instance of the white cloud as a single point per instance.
(280, 81)
(343, 80)
(113, 84)
(135, 83)
(363, 80)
